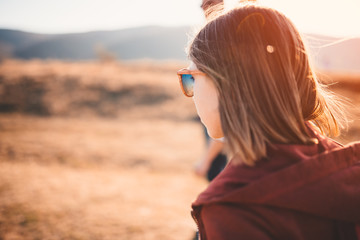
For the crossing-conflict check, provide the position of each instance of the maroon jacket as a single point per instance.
(298, 192)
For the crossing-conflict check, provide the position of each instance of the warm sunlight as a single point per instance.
(321, 16)
(98, 141)
(335, 18)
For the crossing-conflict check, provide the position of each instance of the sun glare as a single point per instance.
(332, 18)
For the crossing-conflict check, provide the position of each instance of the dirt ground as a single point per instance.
(93, 150)
(96, 151)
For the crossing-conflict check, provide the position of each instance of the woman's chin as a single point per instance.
(216, 135)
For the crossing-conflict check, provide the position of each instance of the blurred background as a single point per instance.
(96, 138)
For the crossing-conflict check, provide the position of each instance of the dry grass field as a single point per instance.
(92, 150)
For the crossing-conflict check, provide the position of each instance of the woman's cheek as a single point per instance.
(197, 102)
(206, 103)
(197, 99)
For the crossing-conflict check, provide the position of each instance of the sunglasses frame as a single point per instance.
(190, 72)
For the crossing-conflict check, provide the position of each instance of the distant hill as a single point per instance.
(154, 42)
(135, 43)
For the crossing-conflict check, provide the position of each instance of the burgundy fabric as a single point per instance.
(297, 192)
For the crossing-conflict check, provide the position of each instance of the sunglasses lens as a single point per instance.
(188, 84)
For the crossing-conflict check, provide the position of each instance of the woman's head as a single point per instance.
(256, 60)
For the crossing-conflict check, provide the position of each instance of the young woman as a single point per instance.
(253, 87)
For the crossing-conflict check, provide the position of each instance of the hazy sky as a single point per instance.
(331, 17)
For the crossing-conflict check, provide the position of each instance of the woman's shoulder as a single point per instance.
(284, 167)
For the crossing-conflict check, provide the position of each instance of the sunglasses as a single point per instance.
(186, 80)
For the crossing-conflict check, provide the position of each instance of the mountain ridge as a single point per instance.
(154, 42)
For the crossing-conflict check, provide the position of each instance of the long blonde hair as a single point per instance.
(267, 89)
